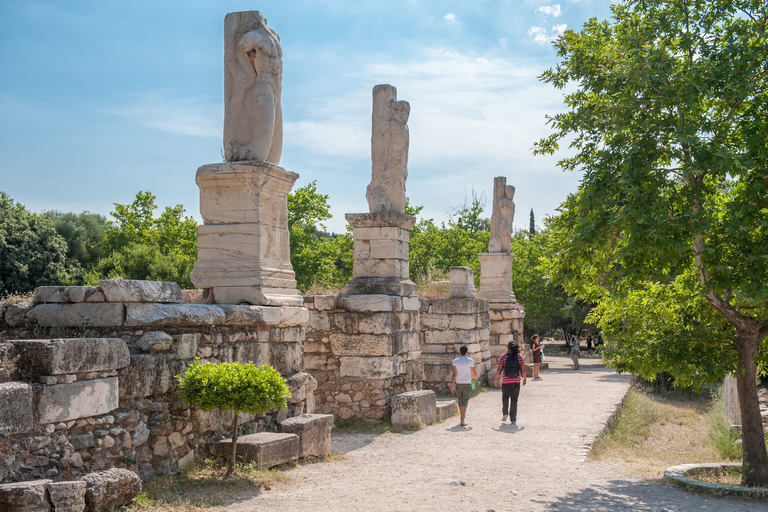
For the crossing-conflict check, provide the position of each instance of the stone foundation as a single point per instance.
(362, 349)
(91, 385)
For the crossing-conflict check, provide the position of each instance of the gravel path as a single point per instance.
(538, 465)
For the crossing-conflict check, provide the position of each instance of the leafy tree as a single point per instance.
(317, 258)
(82, 233)
(139, 246)
(233, 387)
(669, 126)
(32, 254)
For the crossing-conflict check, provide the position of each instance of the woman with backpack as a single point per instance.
(512, 365)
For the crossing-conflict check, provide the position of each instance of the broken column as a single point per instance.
(506, 314)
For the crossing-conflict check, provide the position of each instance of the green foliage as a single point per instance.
(669, 229)
(532, 223)
(139, 246)
(233, 387)
(32, 254)
(82, 233)
(318, 259)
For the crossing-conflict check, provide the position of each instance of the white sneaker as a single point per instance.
(504, 418)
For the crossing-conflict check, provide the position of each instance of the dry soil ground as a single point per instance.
(537, 465)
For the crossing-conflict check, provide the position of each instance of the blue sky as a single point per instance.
(102, 99)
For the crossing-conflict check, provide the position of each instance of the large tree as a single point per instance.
(668, 119)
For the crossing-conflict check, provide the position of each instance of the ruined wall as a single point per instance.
(362, 349)
(446, 325)
(88, 377)
(506, 324)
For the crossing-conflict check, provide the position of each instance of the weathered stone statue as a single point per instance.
(389, 152)
(253, 70)
(502, 216)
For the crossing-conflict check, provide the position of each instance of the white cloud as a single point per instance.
(538, 34)
(450, 18)
(503, 42)
(550, 10)
(559, 30)
(190, 116)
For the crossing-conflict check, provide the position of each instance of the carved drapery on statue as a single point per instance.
(253, 70)
(502, 216)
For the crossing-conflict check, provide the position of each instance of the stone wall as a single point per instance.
(362, 349)
(446, 325)
(88, 380)
(506, 324)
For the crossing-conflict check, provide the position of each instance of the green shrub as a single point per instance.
(233, 387)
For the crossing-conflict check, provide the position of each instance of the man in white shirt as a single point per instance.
(461, 383)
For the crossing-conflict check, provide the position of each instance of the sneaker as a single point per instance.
(504, 418)
(513, 423)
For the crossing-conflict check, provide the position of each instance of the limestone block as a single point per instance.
(377, 323)
(301, 385)
(361, 249)
(130, 290)
(254, 352)
(371, 303)
(438, 373)
(497, 350)
(319, 321)
(58, 294)
(388, 249)
(434, 348)
(155, 341)
(295, 334)
(414, 408)
(398, 286)
(369, 367)
(433, 321)
(266, 449)
(173, 315)
(314, 431)
(377, 268)
(429, 358)
(67, 496)
(186, 345)
(29, 496)
(325, 302)
(260, 295)
(287, 358)
(293, 316)
(111, 488)
(15, 408)
(411, 303)
(186, 460)
(500, 327)
(446, 409)
(455, 306)
(463, 322)
(16, 314)
(250, 315)
(77, 315)
(362, 344)
(148, 375)
(71, 355)
(462, 283)
(406, 342)
(81, 399)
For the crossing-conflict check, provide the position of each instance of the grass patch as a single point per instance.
(656, 429)
(723, 476)
(202, 487)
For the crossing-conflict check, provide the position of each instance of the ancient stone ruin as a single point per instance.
(88, 374)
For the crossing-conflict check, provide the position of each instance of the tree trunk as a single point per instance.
(232, 459)
(754, 456)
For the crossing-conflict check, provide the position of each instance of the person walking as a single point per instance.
(575, 351)
(461, 382)
(510, 382)
(536, 350)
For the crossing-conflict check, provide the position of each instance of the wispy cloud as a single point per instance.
(191, 116)
(550, 10)
(451, 18)
(541, 36)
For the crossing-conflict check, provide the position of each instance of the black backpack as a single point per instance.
(511, 366)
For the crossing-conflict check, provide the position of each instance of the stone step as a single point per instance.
(446, 409)
(414, 408)
(314, 431)
(266, 449)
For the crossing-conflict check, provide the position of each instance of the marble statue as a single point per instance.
(389, 152)
(502, 216)
(253, 70)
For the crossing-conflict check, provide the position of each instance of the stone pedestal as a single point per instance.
(381, 254)
(243, 249)
(496, 277)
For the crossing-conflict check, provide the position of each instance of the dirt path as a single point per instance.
(537, 465)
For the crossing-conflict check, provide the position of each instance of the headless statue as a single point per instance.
(502, 217)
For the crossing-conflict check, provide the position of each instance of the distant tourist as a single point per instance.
(536, 349)
(575, 351)
(589, 342)
(461, 383)
(512, 365)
